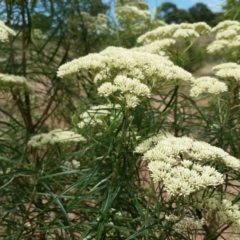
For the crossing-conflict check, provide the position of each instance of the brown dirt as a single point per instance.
(205, 70)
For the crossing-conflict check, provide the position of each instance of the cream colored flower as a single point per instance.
(107, 89)
(131, 13)
(72, 164)
(158, 34)
(179, 163)
(202, 28)
(55, 136)
(207, 85)
(94, 24)
(227, 24)
(227, 73)
(177, 31)
(217, 46)
(92, 63)
(14, 83)
(229, 65)
(227, 38)
(185, 224)
(226, 34)
(129, 91)
(183, 181)
(96, 115)
(170, 147)
(156, 47)
(150, 142)
(134, 86)
(226, 210)
(131, 100)
(185, 34)
(5, 32)
(149, 69)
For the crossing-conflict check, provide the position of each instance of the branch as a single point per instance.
(45, 114)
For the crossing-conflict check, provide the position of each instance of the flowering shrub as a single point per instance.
(141, 158)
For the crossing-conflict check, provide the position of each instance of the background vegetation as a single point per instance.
(100, 188)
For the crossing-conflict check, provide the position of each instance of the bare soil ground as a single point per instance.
(205, 70)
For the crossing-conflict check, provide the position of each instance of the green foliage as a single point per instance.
(41, 21)
(171, 14)
(100, 187)
(165, 9)
(199, 12)
(190, 60)
(232, 8)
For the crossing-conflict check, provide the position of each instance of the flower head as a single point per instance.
(207, 84)
(96, 115)
(227, 24)
(180, 163)
(5, 32)
(14, 83)
(55, 136)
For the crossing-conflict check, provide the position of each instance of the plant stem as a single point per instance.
(175, 113)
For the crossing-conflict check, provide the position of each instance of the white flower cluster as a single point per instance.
(157, 47)
(227, 37)
(173, 162)
(102, 19)
(55, 136)
(92, 63)
(158, 34)
(178, 31)
(138, 3)
(130, 90)
(151, 142)
(140, 65)
(169, 148)
(207, 85)
(37, 34)
(72, 164)
(185, 224)
(217, 46)
(97, 23)
(185, 34)
(226, 34)
(14, 83)
(229, 65)
(133, 69)
(202, 28)
(133, 17)
(155, 23)
(228, 71)
(180, 180)
(5, 32)
(226, 210)
(227, 24)
(129, 14)
(96, 115)
(113, 61)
